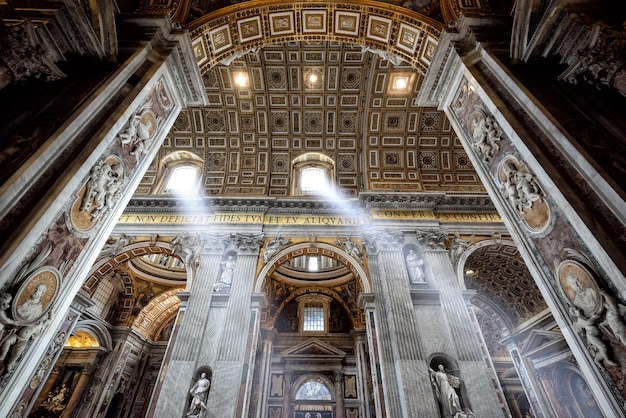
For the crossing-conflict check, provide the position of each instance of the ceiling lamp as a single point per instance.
(400, 82)
(241, 79)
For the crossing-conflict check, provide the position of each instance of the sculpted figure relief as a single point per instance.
(586, 298)
(188, 248)
(520, 187)
(273, 247)
(351, 248)
(5, 300)
(457, 246)
(140, 131)
(485, 134)
(614, 317)
(114, 245)
(594, 337)
(199, 392)
(103, 189)
(13, 344)
(32, 308)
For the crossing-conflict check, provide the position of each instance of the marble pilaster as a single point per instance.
(44, 222)
(287, 375)
(362, 375)
(339, 412)
(414, 393)
(477, 386)
(380, 335)
(235, 344)
(179, 371)
(78, 392)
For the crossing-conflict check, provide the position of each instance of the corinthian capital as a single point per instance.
(248, 243)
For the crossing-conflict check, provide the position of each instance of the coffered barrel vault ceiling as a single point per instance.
(355, 112)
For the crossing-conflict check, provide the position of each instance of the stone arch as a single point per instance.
(472, 248)
(97, 331)
(157, 313)
(108, 266)
(302, 249)
(310, 290)
(389, 31)
(500, 276)
(301, 380)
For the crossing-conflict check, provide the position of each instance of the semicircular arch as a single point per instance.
(114, 265)
(384, 29)
(97, 331)
(297, 250)
(157, 313)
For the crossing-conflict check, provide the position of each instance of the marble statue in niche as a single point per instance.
(445, 385)
(226, 278)
(199, 392)
(415, 267)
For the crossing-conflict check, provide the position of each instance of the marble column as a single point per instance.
(177, 375)
(231, 368)
(340, 410)
(363, 374)
(477, 388)
(578, 218)
(410, 366)
(79, 390)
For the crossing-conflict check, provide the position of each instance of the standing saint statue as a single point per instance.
(444, 385)
(226, 278)
(199, 393)
(415, 267)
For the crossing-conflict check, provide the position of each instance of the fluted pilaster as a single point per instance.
(381, 337)
(236, 340)
(476, 382)
(173, 396)
(408, 355)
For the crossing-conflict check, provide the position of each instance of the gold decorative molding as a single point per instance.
(233, 31)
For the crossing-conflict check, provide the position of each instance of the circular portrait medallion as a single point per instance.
(35, 295)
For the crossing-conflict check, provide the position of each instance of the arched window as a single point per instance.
(181, 173)
(183, 180)
(313, 175)
(313, 390)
